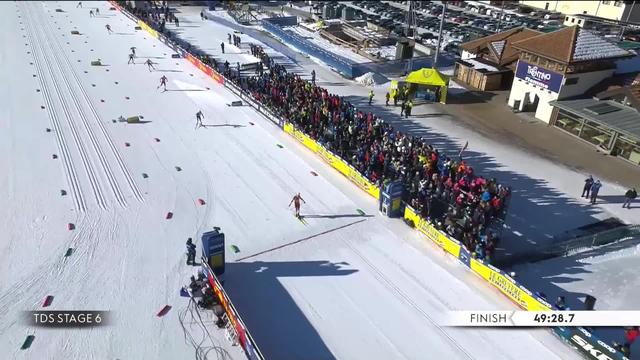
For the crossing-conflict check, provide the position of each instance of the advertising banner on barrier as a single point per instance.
(336, 162)
(521, 296)
(433, 234)
(244, 338)
(587, 344)
(205, 69)
(148, 28)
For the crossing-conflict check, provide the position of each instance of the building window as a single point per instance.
(579, 22)
(571, 81)
(573, 20)
(617, 3)
(568, 122)
(606, 2)
(596, 134)
(566, 18)
(627, 148)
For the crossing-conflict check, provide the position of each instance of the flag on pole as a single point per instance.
(466, 145)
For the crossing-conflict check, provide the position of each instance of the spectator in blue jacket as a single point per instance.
(595, 188)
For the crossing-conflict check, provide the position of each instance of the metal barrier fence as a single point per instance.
(399, 67)
(340, 64)
(571, 246)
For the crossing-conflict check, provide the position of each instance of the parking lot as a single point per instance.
(471, 21)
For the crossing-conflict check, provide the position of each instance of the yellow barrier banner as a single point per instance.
(148, 29)
(450, 246)
(508, 286)
(337, 163)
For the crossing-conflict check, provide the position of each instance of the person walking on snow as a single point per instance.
(133, 50)
(313, 77)
(387, 96)
(108, 29)
(176, 21)
(222, 46)
(629, 196)
(163, 82)
(149, 64)
(131, 59)
(296, 203)
(370, 96)
(586, 189)
(199, 116)
(191, 252)
(595, 188)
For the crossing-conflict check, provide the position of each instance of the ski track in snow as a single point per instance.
(88, 166)
(70, 171)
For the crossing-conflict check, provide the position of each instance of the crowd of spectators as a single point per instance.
(442, 189)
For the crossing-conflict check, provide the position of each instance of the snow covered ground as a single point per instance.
(609, 273)
(315, 38)
(340, 285)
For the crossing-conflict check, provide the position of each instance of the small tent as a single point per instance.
(429, 79)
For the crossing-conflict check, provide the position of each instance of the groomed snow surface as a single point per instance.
(340, 285)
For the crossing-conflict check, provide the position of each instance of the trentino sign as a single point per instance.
(536, 75)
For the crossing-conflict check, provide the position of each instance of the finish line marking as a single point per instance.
(300, 240)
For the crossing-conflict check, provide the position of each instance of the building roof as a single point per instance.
(570, 45)
(621, 118)
(615, 82)
(499, 44)
(630, 93)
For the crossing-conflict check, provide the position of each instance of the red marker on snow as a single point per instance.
(201, 202)
(47, 301)
(169, 215)
(164, 311)
(127, 144)
(156, 139)
(71, 226)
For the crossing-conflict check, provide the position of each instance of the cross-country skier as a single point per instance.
(199, 116)
(222, 47)
(191, 252)
(79, 4)
(163, 82)
(131, 59)
(149, 64)
(97, 11)
(296, 203)
(90, 13)
(108, 29)
(133, 50)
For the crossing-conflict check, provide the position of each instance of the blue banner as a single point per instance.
(542, 77)
(465, 256)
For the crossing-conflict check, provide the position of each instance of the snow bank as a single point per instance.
(371, 79)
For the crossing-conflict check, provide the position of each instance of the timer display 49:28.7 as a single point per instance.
(554, 318)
